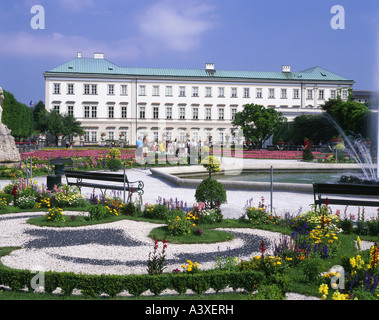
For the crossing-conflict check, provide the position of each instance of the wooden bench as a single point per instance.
(97, 180)
(368, 195)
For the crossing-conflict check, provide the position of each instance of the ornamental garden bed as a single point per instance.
(311, 244)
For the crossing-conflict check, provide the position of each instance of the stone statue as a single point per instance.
(9, 153)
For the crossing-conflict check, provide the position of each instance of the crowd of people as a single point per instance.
(171, 148)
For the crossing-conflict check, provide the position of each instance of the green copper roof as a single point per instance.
(92, 66)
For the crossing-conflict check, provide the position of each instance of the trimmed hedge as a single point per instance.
(94, 285)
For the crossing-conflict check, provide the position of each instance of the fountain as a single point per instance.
(358, 151)
(9, 154)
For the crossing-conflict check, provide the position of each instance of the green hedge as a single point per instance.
(94, 285)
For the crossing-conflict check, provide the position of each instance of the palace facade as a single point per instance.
(122, 103)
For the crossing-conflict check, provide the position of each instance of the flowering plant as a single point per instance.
(55, 214)
(157, 261)
(190, 267)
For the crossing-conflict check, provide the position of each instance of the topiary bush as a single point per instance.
(211, 192)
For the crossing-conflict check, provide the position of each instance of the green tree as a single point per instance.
(351, 116)
(258, 123)
(17, 116)
(315, 127)
(56, 124)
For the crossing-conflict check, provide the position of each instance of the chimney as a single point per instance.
(79, 55)
(286, 69)
(209, 66)
(98, 55)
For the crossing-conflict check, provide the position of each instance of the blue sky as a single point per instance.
(235, 35)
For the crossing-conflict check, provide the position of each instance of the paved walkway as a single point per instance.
(283, 202)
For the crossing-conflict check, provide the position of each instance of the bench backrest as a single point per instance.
(113, 177)
(351, 189)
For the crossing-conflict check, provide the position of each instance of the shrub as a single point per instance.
(179, 223)
(211, 193)
(156, 211)
(55, 215)
(210, 216)
(98, 212)
(26, 202)
(131, 209)
(268, 292)
(114, 164)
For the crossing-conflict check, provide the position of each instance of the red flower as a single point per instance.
(327, 201)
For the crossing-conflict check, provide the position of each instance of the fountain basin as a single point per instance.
(191, 176)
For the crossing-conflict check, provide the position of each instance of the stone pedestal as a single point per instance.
(8, 150)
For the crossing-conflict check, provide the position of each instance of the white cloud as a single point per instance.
(58, 45)
(164, 27)
(178, 25)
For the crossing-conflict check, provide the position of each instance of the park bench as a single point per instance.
(104, 181)
(362, 195)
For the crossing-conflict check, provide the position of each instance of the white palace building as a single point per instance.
(114, 103)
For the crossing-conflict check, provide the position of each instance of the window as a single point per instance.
(195, 91)
(70, 111)
(195, 113)
(182, 136)
(111, 89)
(234, 93)
(168, 136)
(169, 91)
(124, 90)
(110, 112)
(124, 136)
(124, 112)
(57, 108)
(182, 113)
(271, 93)
(344, 94)
(208, 113)
(221, 92)
(156, 136)
(169, 113)
(86, 112)
(142, 112)
(155, 90)
(57, 88)
(155, 112)
(110, 135)
(195, 135)
(259, 93)
(142, 90)
(90, 136)
(246, 92)
(208, 92)
(221, 113)
(94, 112)
(333, 94)
(70, 88)
(296, 93)
(321, 95)
(182, 91)
(309, 94)
(284, 94)
(234, 111)
(90, 89)
(221, 137)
